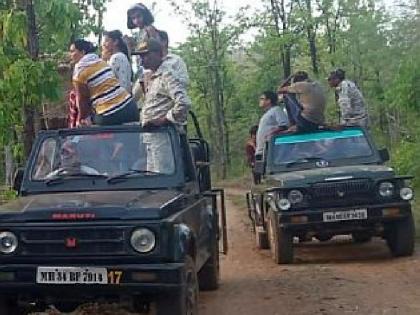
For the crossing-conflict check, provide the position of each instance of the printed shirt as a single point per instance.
(106, 94)
(166, 96)
(272, 119)
(312, 98)
(178, 67)
(122, 70)
(351, 102)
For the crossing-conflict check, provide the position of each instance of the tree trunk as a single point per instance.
(9, 165)
(28, 111)
(287, 64)
(311, 33)
(314, 55)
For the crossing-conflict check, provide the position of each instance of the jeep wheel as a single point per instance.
(324, 237)
(361, 237)
(184, 302)
(208, 276)
(261, 238)
(281, 242)
(10, 307)
(400, 237)
(66, 307)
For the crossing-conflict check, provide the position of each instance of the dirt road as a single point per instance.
(336, 277)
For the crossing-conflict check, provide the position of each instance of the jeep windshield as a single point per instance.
(321, 149)
(110, 156)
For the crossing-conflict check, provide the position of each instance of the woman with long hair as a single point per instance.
(140, 20)
(115, 52)
(100, 98)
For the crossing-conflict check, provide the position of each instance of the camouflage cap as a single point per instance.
(151, 45)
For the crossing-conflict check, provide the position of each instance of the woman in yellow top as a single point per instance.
(100, 98)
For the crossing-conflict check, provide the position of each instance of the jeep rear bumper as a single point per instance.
(313, 220)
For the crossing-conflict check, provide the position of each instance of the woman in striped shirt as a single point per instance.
(99, 96)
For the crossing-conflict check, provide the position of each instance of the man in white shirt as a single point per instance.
(274, 119)
(177, 63)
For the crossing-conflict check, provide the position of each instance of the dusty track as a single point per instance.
(336, 277)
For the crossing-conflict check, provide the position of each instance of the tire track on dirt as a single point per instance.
(336, 277)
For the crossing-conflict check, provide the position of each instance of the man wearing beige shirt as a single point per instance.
(312, 101)
(166, 102)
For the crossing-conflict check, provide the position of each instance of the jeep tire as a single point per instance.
(261, 237)
(184, 302)
(324, 237)
(10, 307)
(209, 275)
(400, 236)
(361, 237)
(281, 241)
(66, 307)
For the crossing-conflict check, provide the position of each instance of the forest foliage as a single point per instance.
(378, 46)
(232, 58)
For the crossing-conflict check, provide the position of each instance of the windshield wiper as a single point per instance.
(60, 178)
(305, 160)
(124, 176)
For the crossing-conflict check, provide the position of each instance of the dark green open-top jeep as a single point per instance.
(117, 213)
(327, 183)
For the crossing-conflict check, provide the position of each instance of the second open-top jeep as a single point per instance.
(327, 183)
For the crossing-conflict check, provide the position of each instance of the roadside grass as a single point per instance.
(7, 194)
(239, 201)
(242, 182)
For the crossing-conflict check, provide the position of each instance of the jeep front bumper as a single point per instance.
(134, 279)
(314, 219)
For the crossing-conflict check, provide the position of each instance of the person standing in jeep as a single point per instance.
(166, 101)
(353, 111)
(273, 120)
(311, 100)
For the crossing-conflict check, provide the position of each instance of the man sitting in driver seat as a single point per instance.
(70, 162)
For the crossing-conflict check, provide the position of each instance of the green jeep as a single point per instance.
(327, 183)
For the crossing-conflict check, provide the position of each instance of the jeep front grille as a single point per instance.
(73, 241)
(342, 189)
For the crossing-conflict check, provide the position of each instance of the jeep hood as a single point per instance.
(307, 177)
(98, 205)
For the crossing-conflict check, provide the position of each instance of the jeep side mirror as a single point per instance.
(18, 179)
(384, 155)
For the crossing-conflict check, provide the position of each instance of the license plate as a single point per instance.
(71, 275)
(356, 214)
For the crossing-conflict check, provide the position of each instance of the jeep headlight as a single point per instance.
(386, 189)
(8, 242)
(143, 240)
(295, 196)
(406, 193)
(284, 204)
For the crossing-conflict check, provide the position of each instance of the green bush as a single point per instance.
(405, 160)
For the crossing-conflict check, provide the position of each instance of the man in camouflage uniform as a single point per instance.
(175, 62)
(350, 100)
(166, 101)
